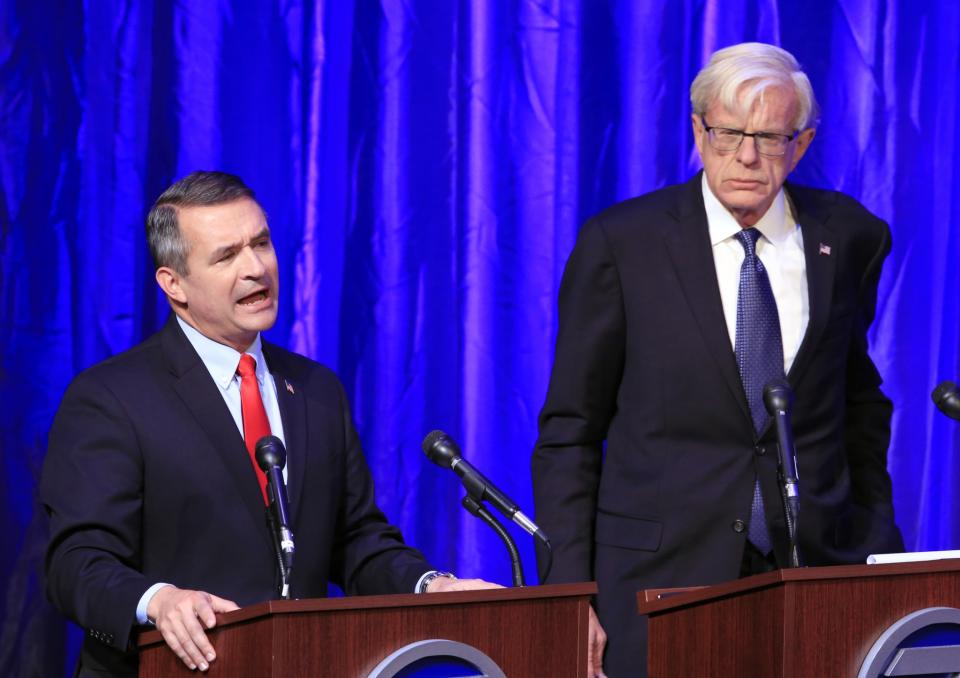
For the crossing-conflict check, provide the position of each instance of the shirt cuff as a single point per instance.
(145, 601)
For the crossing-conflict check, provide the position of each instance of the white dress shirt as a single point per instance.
(221, 362)
(781, 251)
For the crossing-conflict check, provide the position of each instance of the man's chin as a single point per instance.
(259, 321)
(745, 201)
(746, 194)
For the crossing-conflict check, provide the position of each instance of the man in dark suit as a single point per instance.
(156, 507)
(656, 464)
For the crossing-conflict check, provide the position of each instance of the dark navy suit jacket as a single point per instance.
(147, 479)
(645, 463)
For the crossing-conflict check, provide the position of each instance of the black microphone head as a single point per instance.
(440, 449)
(270, 452)
(777, 396)
(947, 399)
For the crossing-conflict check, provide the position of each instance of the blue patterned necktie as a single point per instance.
(759, 351)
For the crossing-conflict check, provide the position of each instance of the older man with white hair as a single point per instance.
(656, 464)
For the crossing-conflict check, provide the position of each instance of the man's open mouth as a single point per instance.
(254, 298)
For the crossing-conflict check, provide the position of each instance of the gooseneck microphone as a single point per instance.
(947, 399)
(778, 400)
(272, 457)
(442, 451)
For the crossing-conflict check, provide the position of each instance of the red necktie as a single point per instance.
(255, 422)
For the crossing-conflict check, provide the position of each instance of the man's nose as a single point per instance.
(253, 266)
(747, 153)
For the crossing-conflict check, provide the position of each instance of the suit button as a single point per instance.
(760, 450)
(738, 525)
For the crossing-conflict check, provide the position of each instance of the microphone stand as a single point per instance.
(778, 400)
(787, 473)
(273, 525)
(480, 511)
(790, 514)
(271, 458)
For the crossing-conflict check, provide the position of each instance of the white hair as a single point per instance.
(736, 76)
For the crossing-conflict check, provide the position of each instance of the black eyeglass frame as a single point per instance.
(789, 137)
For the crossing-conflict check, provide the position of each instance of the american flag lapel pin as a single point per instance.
(290, 386)
(825, 250)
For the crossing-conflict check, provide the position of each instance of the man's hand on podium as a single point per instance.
(182, 616)
(596, 641)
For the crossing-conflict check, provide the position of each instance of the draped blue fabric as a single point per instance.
(425, 167)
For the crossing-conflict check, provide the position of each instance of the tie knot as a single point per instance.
(247, 366)
(748, 237)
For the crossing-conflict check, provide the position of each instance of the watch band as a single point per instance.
(430, 576)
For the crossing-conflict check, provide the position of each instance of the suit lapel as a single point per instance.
(688, 243)
(293, 412)
(203, 399)
(820, 255)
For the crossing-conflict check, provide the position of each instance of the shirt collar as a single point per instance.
(774, 225)
(220, 360)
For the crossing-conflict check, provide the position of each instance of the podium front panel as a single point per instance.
(527, 632)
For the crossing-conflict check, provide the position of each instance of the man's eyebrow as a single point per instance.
(223, 251)
(733, 127)
(237, 246)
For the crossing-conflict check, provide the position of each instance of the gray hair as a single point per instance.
(746, 70)
(167, 246)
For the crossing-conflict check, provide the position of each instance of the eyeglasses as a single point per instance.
(767, 143)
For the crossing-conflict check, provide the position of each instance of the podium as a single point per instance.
(818, 621)
(530, 631)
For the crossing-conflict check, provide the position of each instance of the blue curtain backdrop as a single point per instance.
(425, 165)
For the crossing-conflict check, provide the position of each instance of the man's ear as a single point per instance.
(169, 281)
(803, 143)
(697, 132)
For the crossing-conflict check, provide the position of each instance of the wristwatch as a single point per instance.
(430, 576)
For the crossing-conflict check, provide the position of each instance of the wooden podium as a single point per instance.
(530, 631)
(818, 621)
